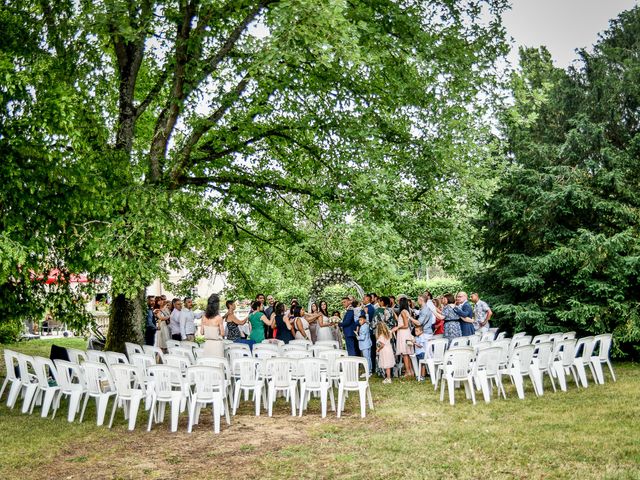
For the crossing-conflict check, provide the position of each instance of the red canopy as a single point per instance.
(55, 276)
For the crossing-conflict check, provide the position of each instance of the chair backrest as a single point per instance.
(11, 362)
(77, 356)
(482, 346)
(300, 341)
(494, 330)
(173, 343)
(132, 348)
(604, 345)
(97, 377)
(127, 378)
(264, 354)
(457, 362)
(164, 379)
(540, 338)
(273, 341)
(501, 335)
(543, 351)
(142, 361)
(316, 349)
(521, 358)
(189, 344)
(312, 371)
(26, 368)
(330, 343)
(272, 347)
(503, 344)
(555, 337)
(116, 357)
(568, 335)
(474, 339)
(349, 368)
(331, 356)
(518, 341)
(178, 361)
(44, 368)
(216, 362)
(459, 342)
(237, 347)
(279, 371)
(155, 351)
(438, 347)
(97, 356)
(184, 352)
(488, 359)
(519, 334)
(249, 370)
(298, 354)
(67, 373)
(564, 351)
(585, 353)
(206, 380)
(487, 337)
(293, 346)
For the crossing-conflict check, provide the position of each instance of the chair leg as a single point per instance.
(362, 393)
(562, 379)
(217, 413)
(192, 412)
(236, 398)
(113, 411)
(101, 406)
(134, 405)
(14, 391)
(519, 383)
(473, 393)
(175, 412)
(303, 395)
(257, 393)
(613, 375)
(29, 394)
(151, 413)
(450, 387)
(74, 403)
(340, 399)
(84, 406)
(323, 401)
(49, 397)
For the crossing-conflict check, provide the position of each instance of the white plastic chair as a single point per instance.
(518, 341)
(487, 337)
(582, 359)
(28, 381)
(604, 346)
(280, 380)
(259, 347)
(249, 380)
(316, 349)
(237, 346)
(501, 335)
(130, 390)
(333, 373)
(540, 364)
(473, 339)
(564, 354)
(116, 357)
(329, 343)
(99, 386)
(520, 367)
(173, 343)
(434, 357)
(290, 347)
(519, 334)
(167, 387)
(485, 369)
(300, 341)
(184, 352)
(132, 348)
(457, 368)
(315, 380)
(12, 380)
(189, 345)
(46, 394)
(199, 353)
(350, 381)
(207, 386)
(97, 356)
(540, 338)
(157, 353)
(569, 335)
(178, 361)
(77, 356)
(459, 342)
(72, 385)
(142, 361)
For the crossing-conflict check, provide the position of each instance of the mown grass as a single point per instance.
(585, 433)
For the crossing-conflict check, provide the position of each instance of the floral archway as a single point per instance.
(332, 277)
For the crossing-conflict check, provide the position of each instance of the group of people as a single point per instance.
(378, 328)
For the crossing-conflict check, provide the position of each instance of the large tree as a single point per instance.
(177, 130)
(562, 231)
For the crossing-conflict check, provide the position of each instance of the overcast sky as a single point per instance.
(561, 25)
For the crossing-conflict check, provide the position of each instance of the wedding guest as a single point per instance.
(187, 321)
(325, 327)
(403, 335)
(438, 326)
(451, 318)
(163, 315)
(482, 313)
(282, 325)
(150, 325)
(364, 339)
(233, 322)
(257, 320)
(337, 334)
(370, 308)
(426, 318)
(386, 357)
(465, 311)
(213, 328)
(420, 345)
(313, 318)
(301, 324)
(348, 325)
(175, 319)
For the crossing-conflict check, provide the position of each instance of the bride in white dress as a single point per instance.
(325, 327)
(212, 326)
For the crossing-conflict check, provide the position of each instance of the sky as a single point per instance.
(561, 25)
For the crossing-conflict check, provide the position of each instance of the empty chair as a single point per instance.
(541, 364)
(232, 356)
(434, 356)
(249, 380)
(603, 343)
(11, 380)
(473, 339)
(132, 348)
(519, 334)
(520, 367)
(237, 347)
(116, 357)
(189, 344)
(264, 354)
(316, 349)
(280, 380)
(540, 338)
(155, 351)
(28, 382)
(485, 370)
(99, 386)
(97, 356)
(46, 393)
(582, 360)
(179, 361)
(166, 387)
(554, 338)
(351, 381)
(71, 382)
(272, 347)
(199, 352)
(457, 368)
(493, 330)
(487, 337)
(330, 343)
(564, 354)
(77, 356)
(294, 346)
(518, 341)
(173, 343)
(501, 335)
(184, 352)
(333, 374)
(142, 361)
(273, 341)
(130, 390)
(459, 342)
(306, 343)
(568, 335)
(314, 380)
(207, 386)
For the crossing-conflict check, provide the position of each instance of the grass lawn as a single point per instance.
(586, 433)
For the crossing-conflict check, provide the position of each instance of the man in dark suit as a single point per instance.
(348, 325)
(465, 311)
(371, 312)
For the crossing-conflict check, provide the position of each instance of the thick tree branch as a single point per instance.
(251, 182)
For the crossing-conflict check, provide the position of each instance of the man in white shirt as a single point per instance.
(481, 314)
(187, 321)
(174, 319)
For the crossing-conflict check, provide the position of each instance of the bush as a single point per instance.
(10, 331)
(437, 286)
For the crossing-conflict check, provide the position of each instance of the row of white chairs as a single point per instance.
(487, 361)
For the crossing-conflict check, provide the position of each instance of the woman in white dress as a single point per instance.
(313, 318)
(301, 324)
(212, 326)
(163, 314)
(325, 327)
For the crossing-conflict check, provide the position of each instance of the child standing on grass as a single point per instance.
(386, 357)
(364, 338)
(420, 345)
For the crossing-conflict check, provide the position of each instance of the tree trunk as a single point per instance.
(126, 321)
